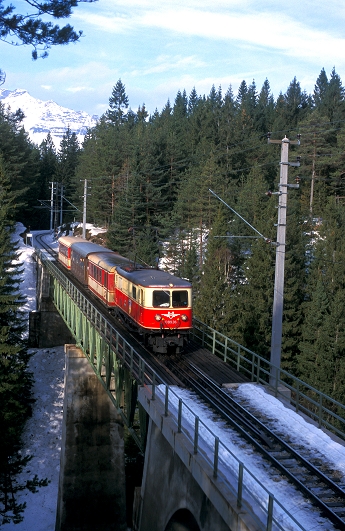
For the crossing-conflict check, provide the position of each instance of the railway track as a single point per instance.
(40, 239)
(325, 491)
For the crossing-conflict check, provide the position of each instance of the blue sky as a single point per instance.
(158, 48)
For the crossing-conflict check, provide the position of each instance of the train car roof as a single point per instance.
(154, 278)
(109, 260)
(84, 248)
(69, 240)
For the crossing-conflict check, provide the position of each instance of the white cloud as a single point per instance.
(272, 31)
(222, 21)
(196, 4)
(80, 89)
(168, 63)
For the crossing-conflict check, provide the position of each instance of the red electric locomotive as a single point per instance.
(152, 302)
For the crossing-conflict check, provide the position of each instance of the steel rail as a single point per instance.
(254, 431)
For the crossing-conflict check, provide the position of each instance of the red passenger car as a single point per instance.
(152, 302)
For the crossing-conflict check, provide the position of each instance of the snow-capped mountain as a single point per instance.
(42, 117)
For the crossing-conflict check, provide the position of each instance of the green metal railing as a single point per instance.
(324, 410)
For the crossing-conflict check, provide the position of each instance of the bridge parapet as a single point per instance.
(185, 470)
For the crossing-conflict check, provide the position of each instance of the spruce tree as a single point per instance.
(214, 287)
(264, 110)
(294, 282)
(68, 160)
(291, 107)
(118, 104)
(250, 306)
(320, 91)
(22, 162)
(335, 98)
(322, 347)
(48, 167)
(15, 380)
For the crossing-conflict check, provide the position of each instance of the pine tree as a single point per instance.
(320, 91)
(104, 162)
(48, 168)
(264, 110)
(192, 101)
(250, 307)
(322, 347)
(319, 159)
(17, 29)
(316, 310)
(335, 98)
(248, 107)
(294, 284)
(15, 380)
(68, 160)
(118, 104)
(214, 287)
(22, 161)
(129, 219)
(291, 107)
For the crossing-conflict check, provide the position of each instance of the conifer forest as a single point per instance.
(148, 183)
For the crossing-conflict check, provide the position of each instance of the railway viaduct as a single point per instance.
(184, 486)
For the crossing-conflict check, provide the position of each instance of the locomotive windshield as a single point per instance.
(161, 298)
(179, 299)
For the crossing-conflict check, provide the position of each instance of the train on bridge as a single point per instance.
(149, 301)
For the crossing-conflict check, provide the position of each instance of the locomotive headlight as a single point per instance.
(184, 317)
(158, 317)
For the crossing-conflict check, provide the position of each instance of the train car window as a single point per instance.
(120, 283)
(134, 292)
(161, 298)
(179, 299)
(98, 274)
(63, 250)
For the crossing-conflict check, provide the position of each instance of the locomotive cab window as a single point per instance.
(179, 299)
(161, 298)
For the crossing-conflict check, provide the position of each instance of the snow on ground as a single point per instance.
(42, 435)
(42, 440)
(291, 423)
